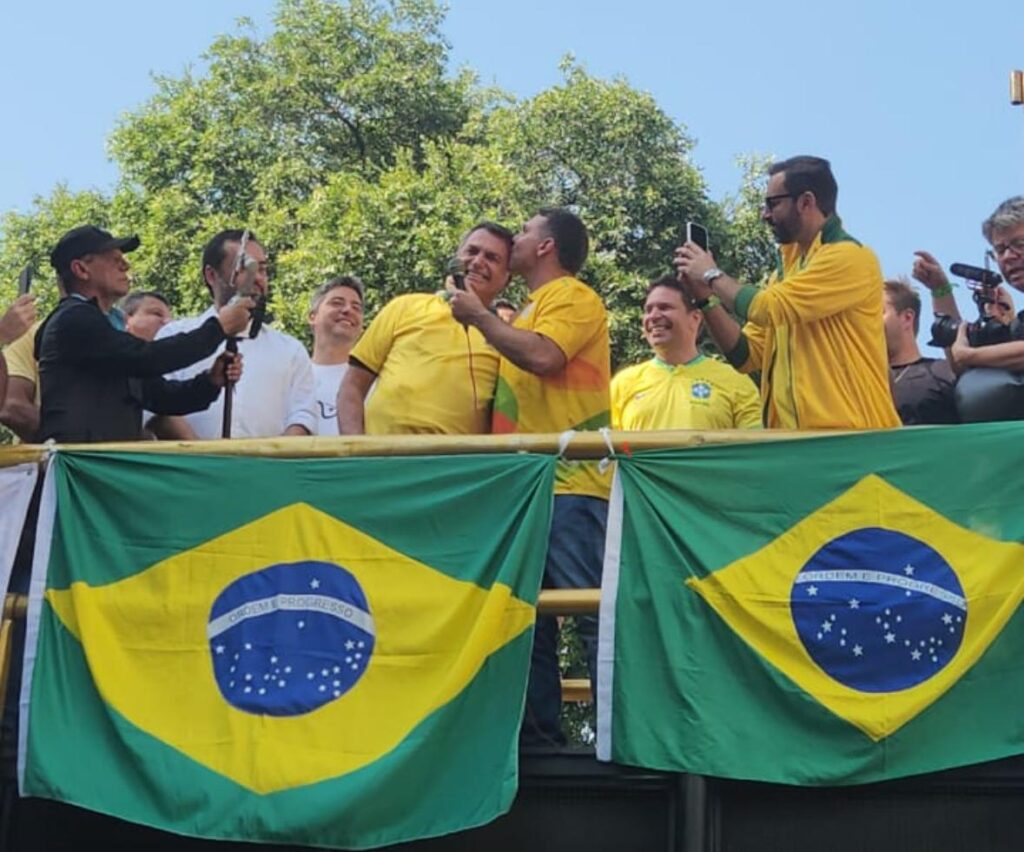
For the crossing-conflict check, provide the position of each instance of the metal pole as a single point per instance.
(229, 392)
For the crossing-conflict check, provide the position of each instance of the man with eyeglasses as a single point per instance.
(991, 383)
(814, 333)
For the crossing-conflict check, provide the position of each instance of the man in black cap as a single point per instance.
(95, 378)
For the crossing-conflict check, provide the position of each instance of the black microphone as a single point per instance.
(258, 316)
(456, 269)
(985, 277)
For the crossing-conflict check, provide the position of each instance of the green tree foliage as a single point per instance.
(343, 139)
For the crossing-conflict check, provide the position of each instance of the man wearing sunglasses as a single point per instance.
(991, 383)
(814, 333)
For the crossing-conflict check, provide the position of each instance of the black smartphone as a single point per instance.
(25, 281)
(696, 234)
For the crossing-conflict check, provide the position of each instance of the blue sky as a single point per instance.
(909, 101)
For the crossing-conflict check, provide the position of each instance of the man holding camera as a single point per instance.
(991, 383)
(276, 395)
(95, 378)
(434, 375)
(815, 331)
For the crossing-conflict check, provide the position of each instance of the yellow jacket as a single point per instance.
(815, 334)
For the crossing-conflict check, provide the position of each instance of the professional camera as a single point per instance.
(985, 330)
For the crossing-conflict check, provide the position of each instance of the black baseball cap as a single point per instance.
(87, 239)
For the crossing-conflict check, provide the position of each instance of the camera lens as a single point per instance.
(944, 331)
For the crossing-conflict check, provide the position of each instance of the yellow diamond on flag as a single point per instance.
(875, 604)
(288, 651)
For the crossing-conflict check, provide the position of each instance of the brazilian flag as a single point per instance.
(830, 610)
(328, 652)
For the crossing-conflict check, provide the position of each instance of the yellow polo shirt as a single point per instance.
(433, 375)
(572, 316)
(701, 394)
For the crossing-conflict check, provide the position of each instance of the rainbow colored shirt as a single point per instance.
(570, 315)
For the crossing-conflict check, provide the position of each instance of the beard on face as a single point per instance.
(785, 230)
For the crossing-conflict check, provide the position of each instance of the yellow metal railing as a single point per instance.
(550, 602)
(584, 445)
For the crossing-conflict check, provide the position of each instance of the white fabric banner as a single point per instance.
(16, 484)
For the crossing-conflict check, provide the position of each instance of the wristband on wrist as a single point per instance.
(945, 290)
(706, 304)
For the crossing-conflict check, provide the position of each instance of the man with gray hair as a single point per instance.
(336, 318)
(991, 384)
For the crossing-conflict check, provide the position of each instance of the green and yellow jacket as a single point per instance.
(815, 334)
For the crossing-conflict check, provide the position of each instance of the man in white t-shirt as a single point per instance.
(275, 394)
(336, 317)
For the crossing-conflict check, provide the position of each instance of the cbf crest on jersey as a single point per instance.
(700, 390)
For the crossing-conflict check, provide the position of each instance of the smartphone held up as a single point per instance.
(696, 233)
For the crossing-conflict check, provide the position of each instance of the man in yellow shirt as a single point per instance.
(433, 375)
(679, 388)
(815, 332)
(19, 400)
(554, 376)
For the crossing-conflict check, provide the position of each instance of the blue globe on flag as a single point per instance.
(290, 638)
(878, 610)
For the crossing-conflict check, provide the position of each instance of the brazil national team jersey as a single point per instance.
(701, 394)
(434, 376)
(571, 315)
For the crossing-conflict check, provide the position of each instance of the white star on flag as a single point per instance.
(854, 603)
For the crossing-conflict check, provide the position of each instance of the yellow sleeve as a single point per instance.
(373, 347)
(20, 356)
(838, 277)
(570, 318)
(746, 404)
(619, 393)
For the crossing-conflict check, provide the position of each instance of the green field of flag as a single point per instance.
(325, 652)
(831, 610)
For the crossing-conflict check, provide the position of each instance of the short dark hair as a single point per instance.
(214, 251)
(809, 174)
(493, 228)
(904, 298)
(673, 283)
(570, 236)
(133, 301)
(349, 281)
